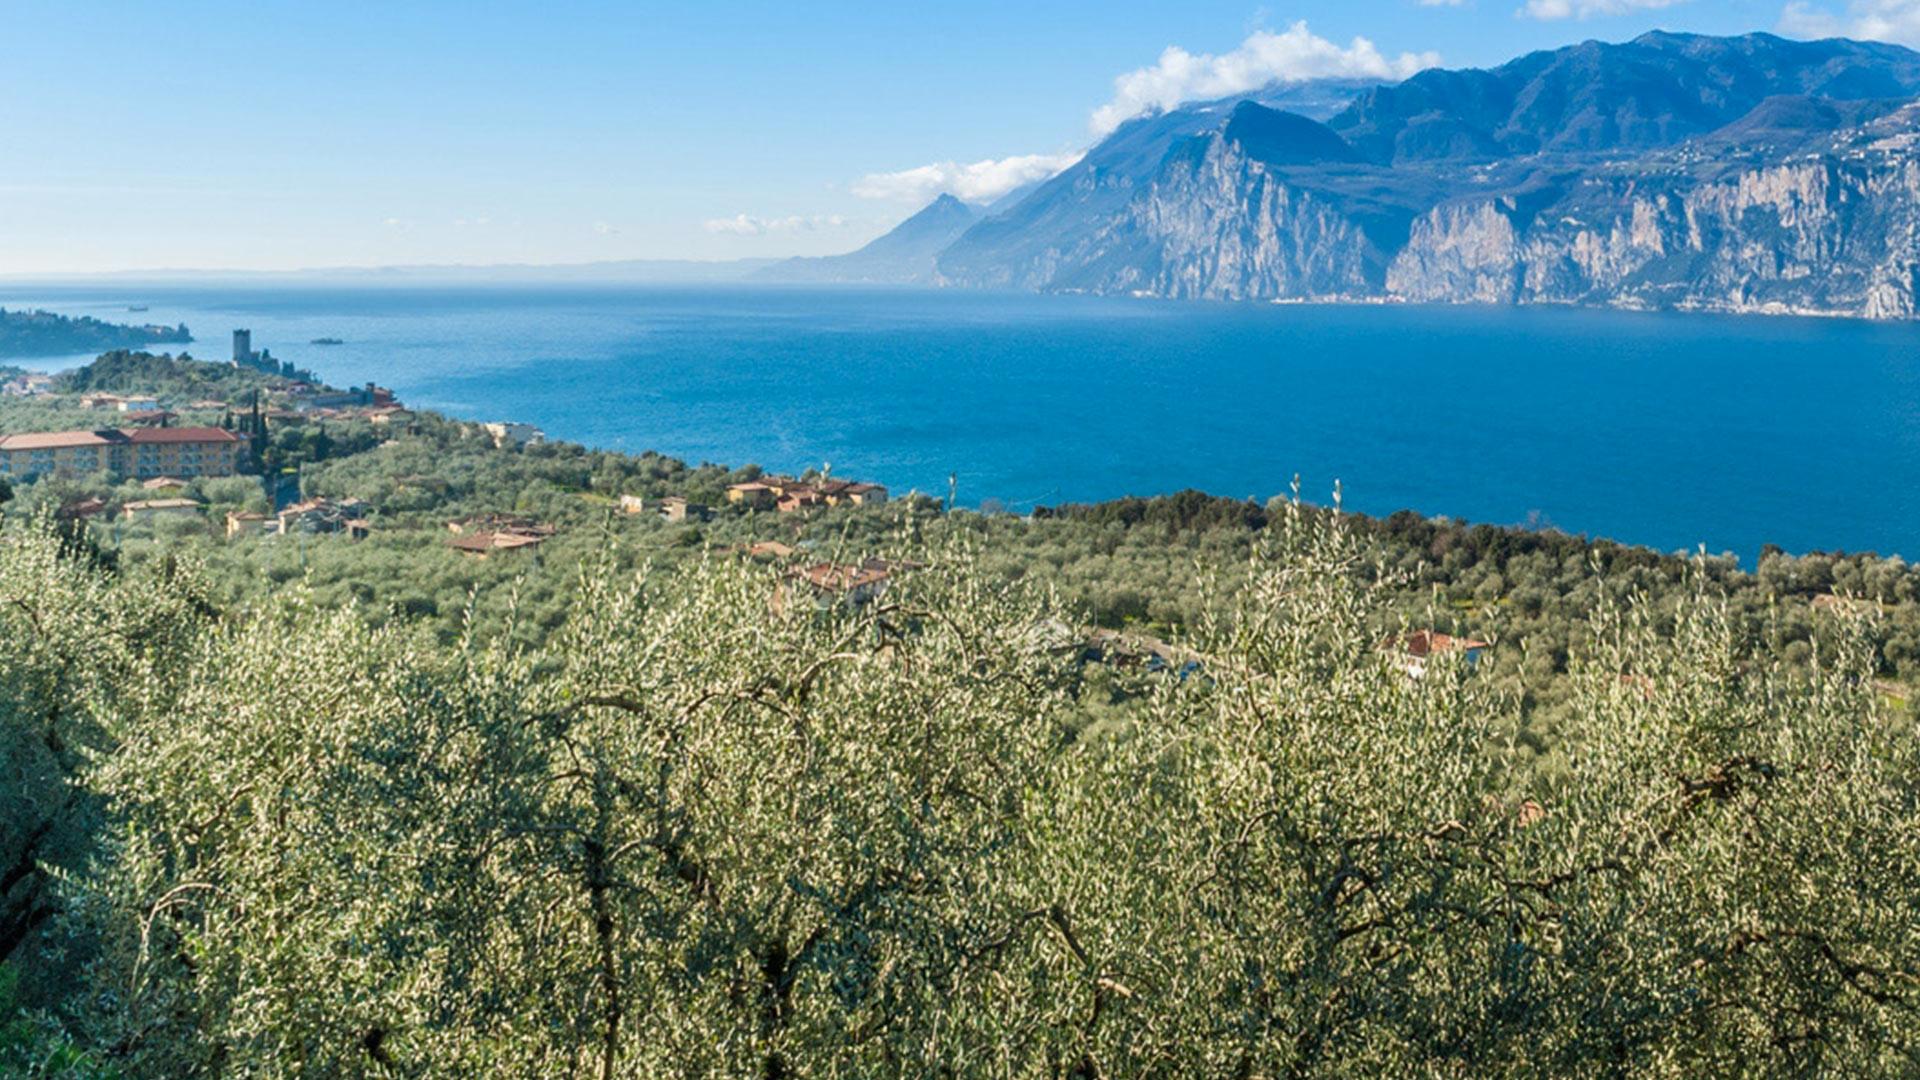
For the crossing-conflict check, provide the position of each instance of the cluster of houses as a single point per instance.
(830, 584)
(313, 401)
(308, 397)
(782, 493)
(29, 384)
(348, 517)
(144, 443)
(136, 410)
(786, 494)
(161, 506)
(483, 534)
(126, 403)
(378, 415)
(318, 517)
(672, 508)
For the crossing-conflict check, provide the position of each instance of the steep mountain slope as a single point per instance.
(1835, 230)
(1748, 173)
(903, 256)
(1022, 246)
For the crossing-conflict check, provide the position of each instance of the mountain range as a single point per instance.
(904, 256)
(1749, 173)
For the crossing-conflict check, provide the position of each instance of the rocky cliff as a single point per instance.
(1220, 225)
(1820, 236)
(1781, 177)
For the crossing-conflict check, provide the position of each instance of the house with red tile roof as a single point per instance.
(752, 494)
(1414, 650)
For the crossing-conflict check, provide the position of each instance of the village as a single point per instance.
(217, 466)
(160, 460)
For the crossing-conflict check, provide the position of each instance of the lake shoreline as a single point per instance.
(1662, 429)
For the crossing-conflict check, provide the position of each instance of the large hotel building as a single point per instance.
(134, 453)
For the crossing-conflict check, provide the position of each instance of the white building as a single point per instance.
(507, 433)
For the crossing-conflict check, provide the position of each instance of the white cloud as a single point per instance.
(1897, 21)
(1293, 55)
(749, 225)
(605, 228)
(1587, 9)
(1442, 3)
(979, 181)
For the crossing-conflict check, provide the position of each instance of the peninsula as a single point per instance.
(42, 333)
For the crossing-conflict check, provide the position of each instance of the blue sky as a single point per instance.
(276, 135)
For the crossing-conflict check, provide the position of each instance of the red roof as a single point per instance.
(85, 508)
(495, 541)
(1428, 642)
(61, 440)
(183, 435)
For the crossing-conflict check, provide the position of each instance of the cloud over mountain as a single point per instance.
(1292, 55)
(1897, 21)
(974, 182)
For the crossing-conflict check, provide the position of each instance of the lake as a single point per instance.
(1665, 429)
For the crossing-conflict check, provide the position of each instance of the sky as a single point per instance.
(272, 135)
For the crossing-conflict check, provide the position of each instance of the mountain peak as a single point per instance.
(1614, 173)
(1657, 90)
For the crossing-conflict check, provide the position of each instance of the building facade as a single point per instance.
(507, 433)
(137, 453)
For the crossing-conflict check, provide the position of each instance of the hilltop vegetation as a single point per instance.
(621, 807)
(180, 379)
(42, 333)
(689, 834)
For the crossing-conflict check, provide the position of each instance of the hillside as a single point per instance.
(660, 797)
(1673, 171)
(176, 378)
(904, 256)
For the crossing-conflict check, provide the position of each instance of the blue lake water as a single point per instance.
(1669, 430)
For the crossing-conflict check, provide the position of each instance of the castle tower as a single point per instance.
(243, 346)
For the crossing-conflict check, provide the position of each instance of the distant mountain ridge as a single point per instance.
(904, 256)
(1748, 173)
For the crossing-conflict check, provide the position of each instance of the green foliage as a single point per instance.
(628, 806)
(691, 831)
(31, 1050)
(42, 333)
(175, 379)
